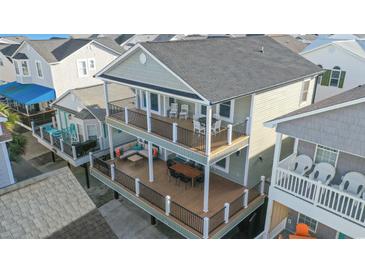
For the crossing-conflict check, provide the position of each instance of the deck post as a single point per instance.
(106, 98)
(276, 156)
(136, 182)
(205, 228)
(248, 125)
(33, 127)
(150, 162)
(51, 138)
(41, 131)
(229, 134)
(53, 122)
(208, 133)
(167, 205)
(126, 115)
(100, 139)
(174, 132)
(245, 198)
(90, 159)
(86, 176)
(148, 108)
(111, 145)
(262, 185)
(206, 188)
(226, 213)
(74, 156)
(112, 172)
(61, 144)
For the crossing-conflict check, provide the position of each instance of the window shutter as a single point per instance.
(326, 78)
(342, 79)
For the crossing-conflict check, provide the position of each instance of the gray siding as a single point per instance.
(151, 72)
(342, 129)
(306, 148)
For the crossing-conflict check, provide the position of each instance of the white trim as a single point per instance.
(41, 69)
(339, 76)
(16, 65)
(28, 67)
(301, 102)
(141, 101)
(226, 169)
(273, 123)
(247, 162)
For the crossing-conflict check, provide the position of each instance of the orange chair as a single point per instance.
(301, 232)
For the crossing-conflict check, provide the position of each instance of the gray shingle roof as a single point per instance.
(68, 47)
(84, 114)
(290, 42)
(347, 96)
(225, 68)
(110, 43)
(46, 47)
(8, 50)
(20, 56)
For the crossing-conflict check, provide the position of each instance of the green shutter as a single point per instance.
(342, 79)
(326, 78)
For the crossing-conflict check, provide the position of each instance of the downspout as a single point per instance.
(315, 89)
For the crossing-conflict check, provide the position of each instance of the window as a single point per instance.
(143, 99)
(335, 77)
(223, 165)
(38, 66)
(203, 110)
(82, 68)
(16, 68)
(304, 94)
(1, 62)
(225, 110)
(326, 154)
(154, 101)
(92, 64)
(92, 132)
(311, 223)
(25, 68)
(171, 100)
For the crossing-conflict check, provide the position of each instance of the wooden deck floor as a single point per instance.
(221, 190)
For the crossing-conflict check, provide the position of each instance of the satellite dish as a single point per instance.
(142, 58)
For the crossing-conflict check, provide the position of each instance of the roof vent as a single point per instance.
(262, 49)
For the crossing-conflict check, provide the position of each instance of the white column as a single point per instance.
(54, 122)
(150, 162)
(208, 130)
(276, 156)
(27, 109)
(245, 198)
(229, 134)
(148, 108)
(262, 185)
(33, 127)
(91, 159)
(74, 156)
(41, 131)
(206, 228)
(61, 144)
(206, 188)
(165, 105)
(226, 212)
(111, 145)
(106, 98)
(174, 132)
(126, 115)
(268, 218)
(136, 183)
(167, 205)
(295, 150)
(112, 172)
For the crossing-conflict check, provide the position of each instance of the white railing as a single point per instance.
(320, 195)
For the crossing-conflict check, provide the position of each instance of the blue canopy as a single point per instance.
(27, 94)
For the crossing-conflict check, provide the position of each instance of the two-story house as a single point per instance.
(201, 153)
(7, 69)
(322, 182)
(343, 58)
(45, 69)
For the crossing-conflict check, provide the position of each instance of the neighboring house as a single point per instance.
(343, 60)
(7, 69)
(45, 69)
(80, 126)
(6, 172)
(290, 42)
(218, 179)
(329, 196)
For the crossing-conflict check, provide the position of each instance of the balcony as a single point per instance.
(75, 153)
(179, 131)
(178, 204)
(329, 204)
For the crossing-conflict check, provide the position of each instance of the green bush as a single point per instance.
(16, 147)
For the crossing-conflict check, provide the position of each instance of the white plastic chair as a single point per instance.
(184, 111)
(173, 110)
(216, 116)
(217, 126)
(353, 183)
(323, 172)
(301, 164)
(198, 128)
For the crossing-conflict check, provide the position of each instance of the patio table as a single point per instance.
(187, 171)
(203, 121)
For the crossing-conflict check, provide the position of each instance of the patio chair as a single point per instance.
(216, 116)
(217, 127)
(173, 110)
(198, 128)
(353, 183)
(184, 112)
(186, 180)
(323, 172)
(302, 164)
(173, 173)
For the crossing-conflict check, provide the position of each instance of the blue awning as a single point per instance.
(27, 94)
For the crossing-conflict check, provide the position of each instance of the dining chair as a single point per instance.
(217, 127)
(184, 111)
(198, 128)
(216, 116)
(173, 110)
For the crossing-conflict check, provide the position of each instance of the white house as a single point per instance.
(343, 58)
(6, 172)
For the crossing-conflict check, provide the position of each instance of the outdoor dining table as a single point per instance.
(203, 121)
(187, 171)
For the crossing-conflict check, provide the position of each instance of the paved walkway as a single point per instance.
(130, 222)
